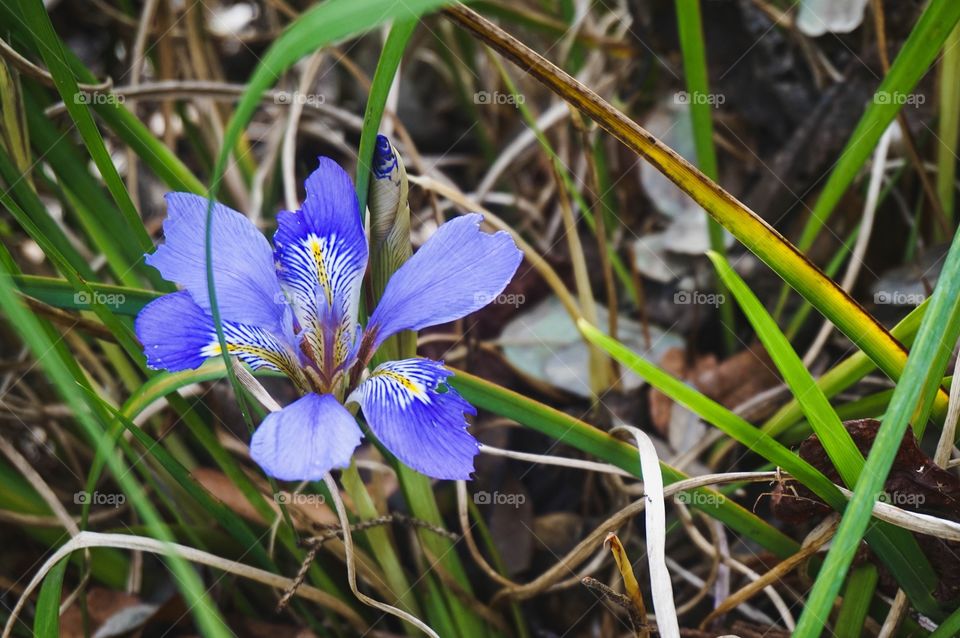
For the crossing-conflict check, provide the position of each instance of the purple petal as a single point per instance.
(177, 334)
(244, 274)
(322, 253)
(459, 270)
(419, 418)
(306, 439)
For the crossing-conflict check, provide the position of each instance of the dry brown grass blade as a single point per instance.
(630, 584)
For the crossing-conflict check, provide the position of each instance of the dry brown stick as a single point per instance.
(69, 320)
(637, 620)
(27, 67)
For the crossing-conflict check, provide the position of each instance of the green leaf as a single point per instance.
(46, 620)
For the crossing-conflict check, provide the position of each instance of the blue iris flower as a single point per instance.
(294, 308)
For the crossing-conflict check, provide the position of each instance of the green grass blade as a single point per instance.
(97, 214)
(856, 601)
(915, 57)
(899, 549)
(913, 396)
(693, 47)
(823, 418)
(387, 66)
(60, 293)
(948, 123)
(122, 332)
(34, 16)
(46, 619)
(31, 214)
(60, 375)
(846, 373)
(949, 628)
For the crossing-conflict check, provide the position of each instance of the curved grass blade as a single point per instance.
(758, 236)
(820, 414)
(846, 373)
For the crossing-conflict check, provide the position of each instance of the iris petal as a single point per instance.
(459, 270)
(177, 334)
(246, 281)
(419, 418)
(306, 439)
(321, 252)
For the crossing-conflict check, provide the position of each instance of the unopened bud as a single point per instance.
(389, 215)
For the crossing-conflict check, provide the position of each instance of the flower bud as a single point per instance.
(389, 234)
(389, 215)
